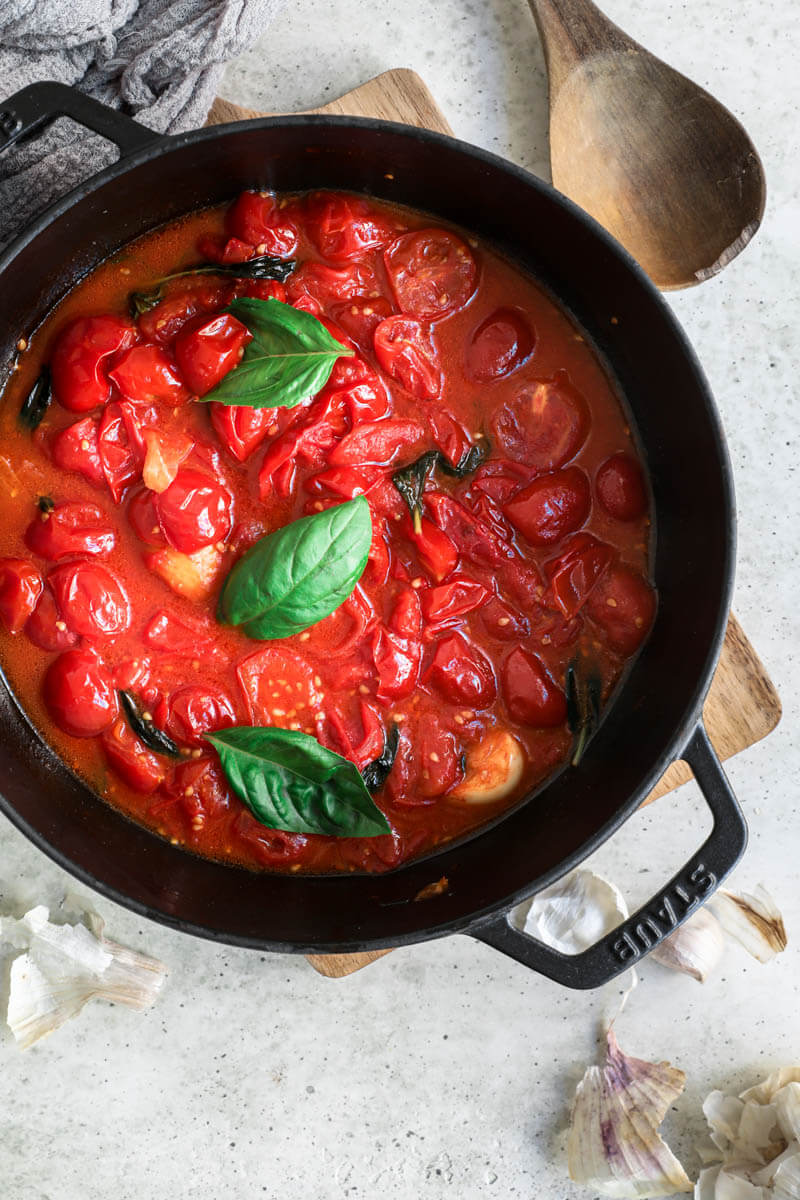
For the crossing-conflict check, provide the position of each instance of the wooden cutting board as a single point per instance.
(742, 706)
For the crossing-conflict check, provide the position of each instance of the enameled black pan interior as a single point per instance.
(678, 430)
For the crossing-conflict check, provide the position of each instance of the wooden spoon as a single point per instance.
(652, 156)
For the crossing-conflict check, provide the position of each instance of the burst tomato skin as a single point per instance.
(69, 529)
(207, 349)
(241, 429)
(194, 511)
(463, 673)
(20, 588)
(79, 694)
(76, 449)
(91, 601)
(342, 227)
(146, 373)
(83, 353)
(551, 506)
(532, 697)
(406, 351)
(137, 766)
(195, 710)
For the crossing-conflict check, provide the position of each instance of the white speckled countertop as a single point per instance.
(446, 1070)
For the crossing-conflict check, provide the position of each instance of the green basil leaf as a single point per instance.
(297, 575)
(290, 782)
(289, 359)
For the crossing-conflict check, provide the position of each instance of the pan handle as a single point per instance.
(29, 111)
(656, 919)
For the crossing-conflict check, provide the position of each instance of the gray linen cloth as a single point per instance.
(159, 62)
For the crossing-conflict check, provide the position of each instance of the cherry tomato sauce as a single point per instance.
(463, 624)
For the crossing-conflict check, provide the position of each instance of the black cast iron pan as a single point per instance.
(656, 716)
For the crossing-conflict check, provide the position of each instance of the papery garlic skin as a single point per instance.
(752, 920)
(694, 948)
(613, 1144)
(576, 912)
(64, 966)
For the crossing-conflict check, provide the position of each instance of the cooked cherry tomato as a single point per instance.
(551, 507)
(165, 320)
(143, 518)
(545, 425)
(256, 219)
(180, 635)
(82, 357)
(623, 604)
(463, 673)
(360, 388)
(343, 227)
(208, 348)
(74, 527)
(194, 511)
(346, 482)
(79, 694)
(46, 628)
(90, 599)
(376, 443)
(121, 446)
(224, 250)
(272, 847)
(620, 487)
(20, 588)
(195, 710)
(137, 766)
(311, 438)
(503, 621)
(453, 600)
(531, 696)
(440, 758)
(397, 662)
(432, 272)
(240, 428)
(573, 575)
(263, 289)
(332, 285)
(499, 345)
(361, 316)
(147, 373)
(197, 795)
(407, 353)
(361, 740)
(75, 449)
(269, 671)
(450, 435)
(406, 617)
(437, 552)
(165, 450)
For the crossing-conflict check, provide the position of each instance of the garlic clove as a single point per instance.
(613, 1145)
(786, 1101)
(730, 1186)
(786, 1180)
(752, 920)
(63, 966)
(763, 1092)
(576, 912)
(694, 948)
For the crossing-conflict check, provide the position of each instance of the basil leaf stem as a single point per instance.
(290, 781)
(297, 575)
(153, 737)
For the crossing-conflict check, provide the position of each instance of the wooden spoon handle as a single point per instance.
(572, 31)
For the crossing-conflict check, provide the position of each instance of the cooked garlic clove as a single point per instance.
(695, 947)
(752, 920)
(494, 768)
(613, 1145)
(576, 912)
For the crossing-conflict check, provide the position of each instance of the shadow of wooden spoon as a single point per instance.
(651, 155)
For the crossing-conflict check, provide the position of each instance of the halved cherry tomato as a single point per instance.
(344, 228)
(143, 518)
(463, 673)
(503, 621)
(269, 671)
(344, 481)
(315, 431)
(437, 552)
(257, 219)
(240, 428)
(147, 373)
(361, 316)
(397, 663)
(46, 628)
(450, 601)
(551, 507)
(407, 353)
(361, 741)
(620, 487)
(376, 443)
(20, 588)
(82, 357)
(194, 710)
(360, 388)
(208, 348)
(194, 511)
(74, 527)
(432, 272)
(573, 575)
(225, 250)
(90, 599)
(272, 847)
(333, 285)
(623, 604)
(166, 319)
(79, 694)
(133, 762)
(532, 696)
(545, 424)
(75, 449)
(121, 446)
(440, 758)
(180, 635)
(499, 345)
